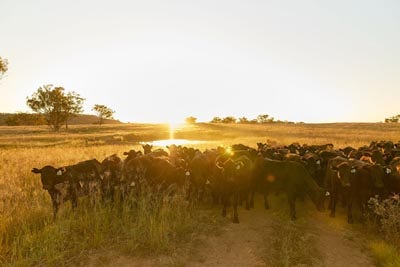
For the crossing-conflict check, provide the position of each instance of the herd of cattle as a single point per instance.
(233, 175)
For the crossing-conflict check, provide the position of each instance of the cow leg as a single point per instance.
(215, 198)
(55, 207)
(224, 203)
(247, 204)
(74, 195)
(362, 209)
(200, 194)
(252, 199)
(292, 200)
(112, 191)
(333, 201)
(189, 192)
(266, 204)
(240, 199)
(247, 196)
(55, 210)
(235, 204)
(74, 201)
(350, 210)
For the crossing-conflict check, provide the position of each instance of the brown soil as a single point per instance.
(339, 243)
(250, 243)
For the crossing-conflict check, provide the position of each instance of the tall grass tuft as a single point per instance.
(152, 222)
(385, 255)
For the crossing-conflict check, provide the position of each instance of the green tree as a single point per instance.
(103, 112)
(3, 66)
(393, 119)
(243, 120)
(216, 120)
(229, 119)
(263, 118)
(55, 104)
(73, 105)
(191, 120)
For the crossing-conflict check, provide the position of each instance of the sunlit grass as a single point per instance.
(28, 236)
(384, 254)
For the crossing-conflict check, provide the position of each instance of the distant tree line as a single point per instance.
(260, 119)
(393, 119)
(22, 118)
(55, 106)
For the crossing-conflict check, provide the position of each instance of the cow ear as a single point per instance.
(36, 170)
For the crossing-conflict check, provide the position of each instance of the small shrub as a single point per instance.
(386, 216)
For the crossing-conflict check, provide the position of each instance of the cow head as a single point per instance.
(147, 148)
(377, 174)
(49, 176)
(132, 154)
(344, 173)
(111, 168)
(227, 169)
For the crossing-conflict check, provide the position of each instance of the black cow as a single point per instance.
(289, 177)
(70, 182)
(111, 174)
(236, 183)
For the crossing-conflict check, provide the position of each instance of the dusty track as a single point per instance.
(251, 242)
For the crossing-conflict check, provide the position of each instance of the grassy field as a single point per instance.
(340, 134)
(28, 236)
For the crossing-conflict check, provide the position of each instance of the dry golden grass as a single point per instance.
(29, 237)
(340, 134)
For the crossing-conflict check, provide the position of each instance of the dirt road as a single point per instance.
(251, 243)
(268, 238)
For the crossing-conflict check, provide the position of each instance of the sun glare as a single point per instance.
(173, 126)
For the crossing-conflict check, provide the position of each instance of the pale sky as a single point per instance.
(160, 61)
